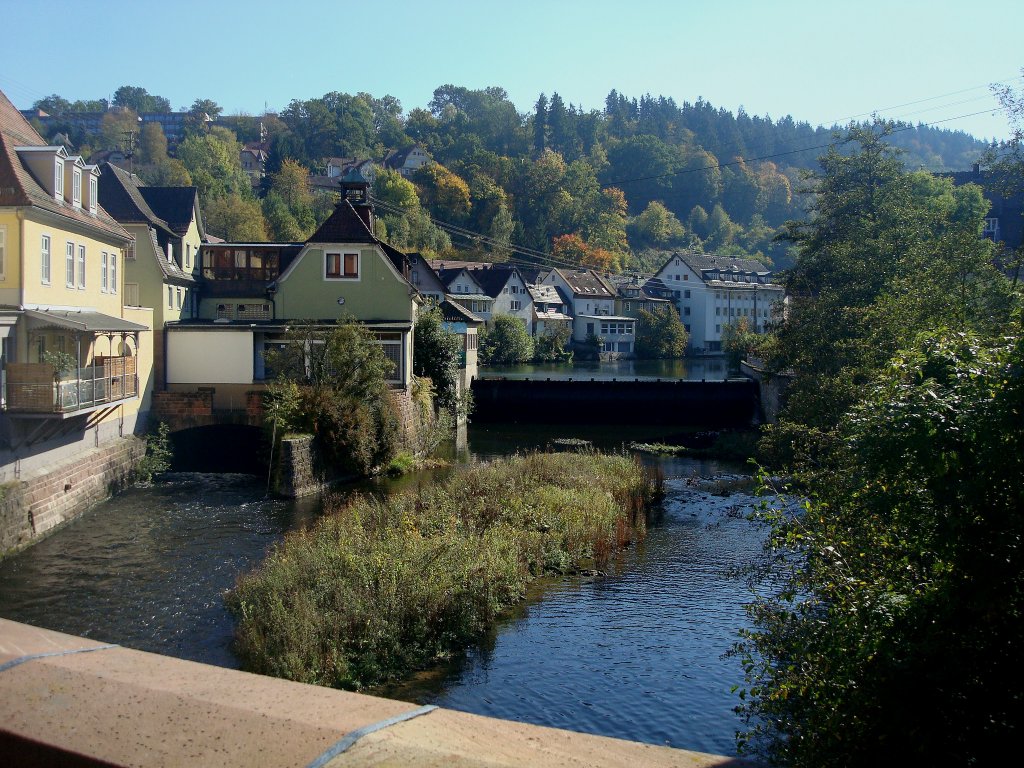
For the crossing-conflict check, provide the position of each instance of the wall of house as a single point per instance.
(10, 279)
(379, 294)
(36, 502)
(56, 293)
(210, 356)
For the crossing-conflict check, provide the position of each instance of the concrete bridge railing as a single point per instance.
(74, 702)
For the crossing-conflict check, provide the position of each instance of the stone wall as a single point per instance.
(298, 472)
(38, 503)
(772, 389)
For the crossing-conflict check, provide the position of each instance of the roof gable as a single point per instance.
(344, 225)
(18, 187)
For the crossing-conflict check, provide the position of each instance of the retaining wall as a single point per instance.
(36, 504)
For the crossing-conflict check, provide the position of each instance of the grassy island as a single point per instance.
(380, 587)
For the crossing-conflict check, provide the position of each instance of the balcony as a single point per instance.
(32, 389)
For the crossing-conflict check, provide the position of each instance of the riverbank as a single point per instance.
(379, 588)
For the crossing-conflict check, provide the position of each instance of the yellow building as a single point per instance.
(75, 362)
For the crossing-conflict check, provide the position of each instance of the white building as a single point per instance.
(712, 292)
(593, 310)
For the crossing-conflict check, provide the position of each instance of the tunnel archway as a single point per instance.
(220, 448)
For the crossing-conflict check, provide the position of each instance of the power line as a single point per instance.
(841, 120)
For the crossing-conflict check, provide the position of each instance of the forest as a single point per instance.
(559, 185)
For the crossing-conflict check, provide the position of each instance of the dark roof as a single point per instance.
(586, 282)
(453, 312)
(121, 195)
(345, 225)
(19, 188)
(82, 320)
(398, 259)
(493, 281)
(175, 205)
(701, 261)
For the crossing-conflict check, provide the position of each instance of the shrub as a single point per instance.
(380, 587)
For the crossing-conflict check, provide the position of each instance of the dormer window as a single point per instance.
(58, 178)
(93, 192)
(76, 188)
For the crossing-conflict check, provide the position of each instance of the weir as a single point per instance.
(729, 403)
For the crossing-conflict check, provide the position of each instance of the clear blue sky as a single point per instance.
(816, 60)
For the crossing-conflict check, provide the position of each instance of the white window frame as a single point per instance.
(342, 258)
(103, 272)
(170, 297)
(188, 256)
(58, 178)
(81, 267)
(45, 260)
(94, 188)
(177, 297)
(76, 188)
(69, 264)
(112, 278)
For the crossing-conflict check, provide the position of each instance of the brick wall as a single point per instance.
(34, 506)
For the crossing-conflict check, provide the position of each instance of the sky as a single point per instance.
(823, 62)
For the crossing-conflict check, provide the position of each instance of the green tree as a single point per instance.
(445, 195)
(341, 373)
(887, 254)
(656, 227)
(235, 219)
(213, 160)
(119, 129)
(893, 637)
(393, 191)
(505, 341)
(552, 345)
(437, 355)
(152, 145)
(139, 100)
(660, 333)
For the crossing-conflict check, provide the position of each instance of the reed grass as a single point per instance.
(380, 587)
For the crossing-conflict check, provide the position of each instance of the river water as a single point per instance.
(637, 654)
(688, 369)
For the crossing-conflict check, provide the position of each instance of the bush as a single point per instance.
(506, 341)
(158, 453)
(380, 587)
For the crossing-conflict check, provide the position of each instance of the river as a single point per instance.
(688, 369)
(637, 654)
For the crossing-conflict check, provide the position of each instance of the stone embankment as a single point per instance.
(38, 503)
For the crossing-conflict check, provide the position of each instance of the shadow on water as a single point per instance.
(234, 448)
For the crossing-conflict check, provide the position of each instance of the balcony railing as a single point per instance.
(32, 387)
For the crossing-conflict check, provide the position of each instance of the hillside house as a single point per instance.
(593, 310)
(75, 363)
(161, 267)
(712, 292)
(252, 293)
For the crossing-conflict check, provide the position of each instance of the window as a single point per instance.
(342, 266)
(93, 192)
(177, 297)
(718, 329)
(81, 266)
(103, 271)
(625, 305)
(131, 294)
(686, 277)
(718, 310)
(58, 179)
(76, 189)
(516, 306)
(686, 293)
(686, 311)
(3, 252)
(69, 264)
(675, 276)
(188, 256)
(112, 282)
(44, 260)
(170, 252)
(170, 297)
